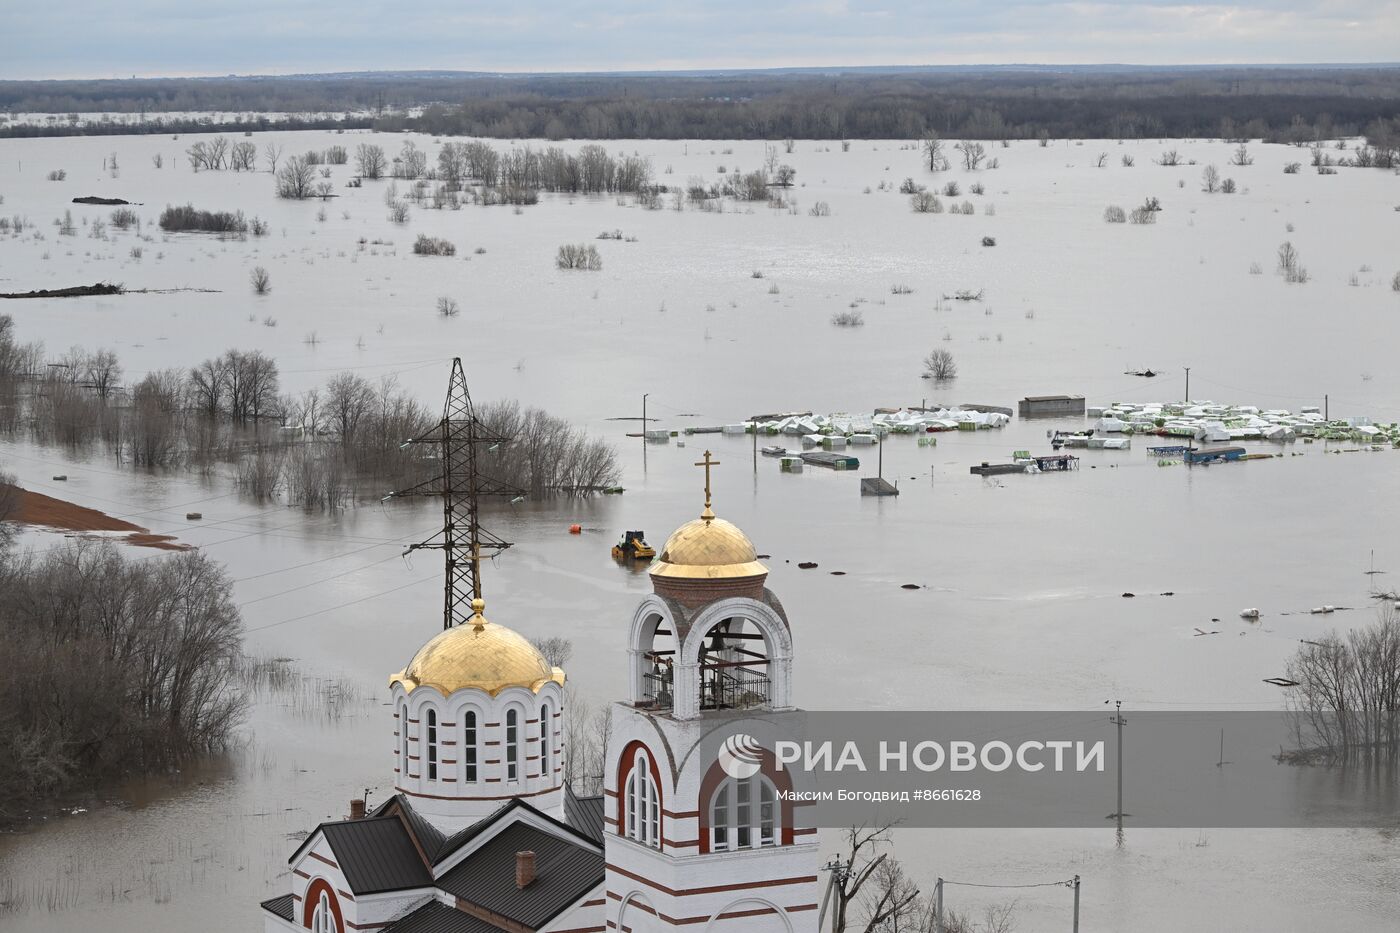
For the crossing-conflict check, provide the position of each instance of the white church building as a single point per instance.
(483, 834)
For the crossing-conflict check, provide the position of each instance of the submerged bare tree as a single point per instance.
(934, 158)
(296, 179)
(113, 666)
(1346, 703)
(370, 161)
(1210, 179)
(939, 365)
(972, 154)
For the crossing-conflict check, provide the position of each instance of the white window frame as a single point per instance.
(744, 814)
(643, 803)
(470, 737)
(431, 756)
(512, 744)
(545, 728)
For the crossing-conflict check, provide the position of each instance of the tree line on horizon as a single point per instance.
(1274, 104)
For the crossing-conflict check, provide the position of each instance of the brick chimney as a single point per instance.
(357, 809)
(524, 869)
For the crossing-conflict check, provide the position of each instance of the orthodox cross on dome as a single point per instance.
(458, 438)
(707, 463)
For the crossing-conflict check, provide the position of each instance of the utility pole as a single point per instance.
(1188, 385)
(836, 882)
(1120, 722)
(1076, 903)
(461, 485)
(1326, 408)
(644, 416)
(938, 906)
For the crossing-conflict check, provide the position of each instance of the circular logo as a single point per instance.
(741, 756)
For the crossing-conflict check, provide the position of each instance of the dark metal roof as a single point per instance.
(584, 814)
(376, 854)
(565, 871)
(436, 917)
(281, 906)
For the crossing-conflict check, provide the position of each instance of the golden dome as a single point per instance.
(708, 548)
(479, 655)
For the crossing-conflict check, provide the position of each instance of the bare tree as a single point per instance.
(243, 156)
(934, 157)
(1346, 704)
(1241, 156)
(262, 282)
(1210, 179)
(972, 154)
(587, 732)
(272, 152)
(349, 398)
(1170, 157)
(296, 178)
(940, 366)
(556, 649)
(209, 385)
(925, 202)
(863, 857)
(102, 371)
(1289, 264)
(1101, 160)
(9, 505)
(370, 161)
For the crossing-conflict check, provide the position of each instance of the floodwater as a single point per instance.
(1021, 577)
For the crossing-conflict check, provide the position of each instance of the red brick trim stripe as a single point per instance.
(713, 889)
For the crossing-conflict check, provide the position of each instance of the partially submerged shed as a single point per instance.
(1046, 406)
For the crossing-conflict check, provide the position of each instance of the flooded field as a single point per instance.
(1021, 578)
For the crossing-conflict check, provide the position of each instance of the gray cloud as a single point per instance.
(85, 38)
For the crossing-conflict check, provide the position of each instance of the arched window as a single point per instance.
(545, 769)
(643, 803)
(323, 920)
(512, 744)
(469, 747)
(403, 739)
(744, 815)
(432, 744)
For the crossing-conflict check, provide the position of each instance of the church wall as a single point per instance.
(584, 917)
(316, 867)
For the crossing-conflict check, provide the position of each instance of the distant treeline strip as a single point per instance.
(177, 125)
(1296, 104)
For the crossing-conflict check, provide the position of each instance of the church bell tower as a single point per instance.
(686, 842)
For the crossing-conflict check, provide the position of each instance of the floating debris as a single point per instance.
(910, 586)
(1280, 681)
(806, 565)
(1249, 613)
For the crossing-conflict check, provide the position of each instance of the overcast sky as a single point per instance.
(119, 38)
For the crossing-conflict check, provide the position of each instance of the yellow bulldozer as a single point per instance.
(633, 546)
